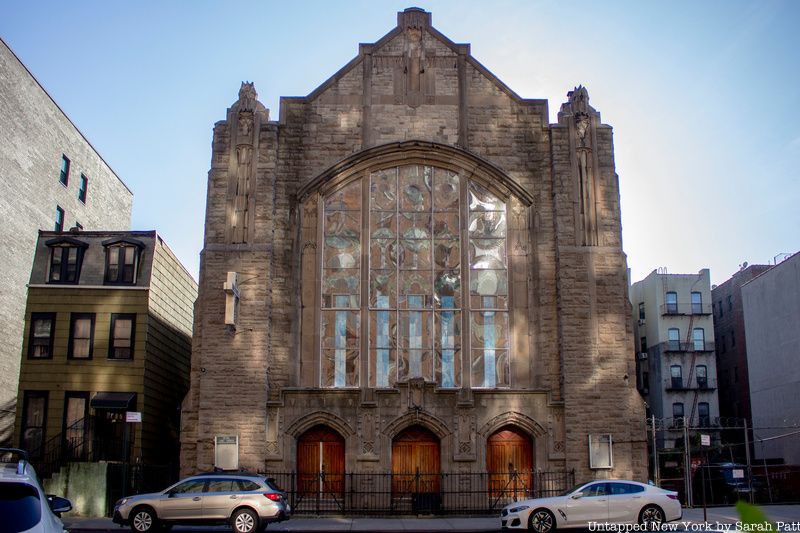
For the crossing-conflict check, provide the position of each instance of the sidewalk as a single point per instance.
(715, 515)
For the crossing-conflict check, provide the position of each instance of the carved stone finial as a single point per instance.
(579, 99)
(247, 95)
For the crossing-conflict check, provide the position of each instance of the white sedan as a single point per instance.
(595, 503)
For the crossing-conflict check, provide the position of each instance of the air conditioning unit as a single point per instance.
(641, 321)
(642, 356)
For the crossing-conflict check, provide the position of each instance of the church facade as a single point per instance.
(412, 269)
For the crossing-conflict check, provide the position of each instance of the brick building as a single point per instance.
(413, 269)
(771, 309)
(51, 177)
(674, 339)
(731, 346)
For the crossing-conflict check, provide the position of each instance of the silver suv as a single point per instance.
(23, 504)
(248, 502)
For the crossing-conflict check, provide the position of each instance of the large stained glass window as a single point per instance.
(488, 289)
(341, 288)
(415, 236)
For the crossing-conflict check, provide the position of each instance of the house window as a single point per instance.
(82, 188)
(81, 336)
(722, 344)
(416, 295)
(600, 451)
(121, 264)
(64, 177)
(697, 303)
(34, 419)
(674, 339)
(641, 310)
(643, 344)
(676, 373)
(730, 303)
(699, 339)
(677, 410)
(65, 263)
(40, 340)
(703, 414)
(672, 303)
(720, 308)
(733, 339)
(121, 343)
(736, 374)
(59, 225)
(702, 376)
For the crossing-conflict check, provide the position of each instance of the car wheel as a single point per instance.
(244, 521)
(542, 521)
(651, 517)
(143, 520)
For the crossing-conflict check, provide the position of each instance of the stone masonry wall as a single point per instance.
(571, 314)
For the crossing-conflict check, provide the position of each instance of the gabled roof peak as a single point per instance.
(413, 17)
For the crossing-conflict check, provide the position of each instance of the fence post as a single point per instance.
(514, 484)
(656, 471)
(687, 463)
(747, 455)
(320, 482)
(351, 491)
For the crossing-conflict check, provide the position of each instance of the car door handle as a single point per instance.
(234, 496)
(196, 499)
(636, 497)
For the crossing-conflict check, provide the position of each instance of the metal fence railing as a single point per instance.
(417, 492)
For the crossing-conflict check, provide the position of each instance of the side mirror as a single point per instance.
(576, 495)
(58, 504)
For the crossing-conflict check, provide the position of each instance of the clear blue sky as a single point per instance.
(703, 97)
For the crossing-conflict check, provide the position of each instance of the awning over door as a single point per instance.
(113, 400)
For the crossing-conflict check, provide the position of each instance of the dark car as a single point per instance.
(723, 483)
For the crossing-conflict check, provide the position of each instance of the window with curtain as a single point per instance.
(81, 334)
(412, 241)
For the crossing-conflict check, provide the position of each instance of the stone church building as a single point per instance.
(410, 270)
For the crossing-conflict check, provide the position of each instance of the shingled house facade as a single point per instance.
(413, 269)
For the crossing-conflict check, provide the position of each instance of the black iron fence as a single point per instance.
(79, 442)
(418, 492)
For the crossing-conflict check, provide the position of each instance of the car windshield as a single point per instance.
(571, 490)
(19, 506)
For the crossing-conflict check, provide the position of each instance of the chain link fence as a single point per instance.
(720, 461)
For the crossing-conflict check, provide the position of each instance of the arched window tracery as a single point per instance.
(415, 278)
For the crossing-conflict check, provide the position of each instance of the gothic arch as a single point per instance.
(428, 421)
(325, 418)
(466, 163)
(513, 418)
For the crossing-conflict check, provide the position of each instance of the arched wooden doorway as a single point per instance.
(320, 463)
(509, 461)
(415, 462)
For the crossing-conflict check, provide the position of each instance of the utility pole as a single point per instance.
(656, 470)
